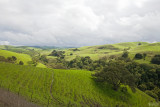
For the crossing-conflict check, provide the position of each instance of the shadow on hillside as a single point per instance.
(106, 89)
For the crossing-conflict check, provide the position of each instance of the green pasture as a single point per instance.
(61, 88)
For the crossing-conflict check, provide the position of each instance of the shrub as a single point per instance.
(76, 49)
(9, 59)
(124, 89)
(156, 59)
(142, 87)
(14, 58)
(138, 56)
(150, 93)
(125, 54)
(71, 54)
(21, 63)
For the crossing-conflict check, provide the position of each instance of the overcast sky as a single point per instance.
(78, 22)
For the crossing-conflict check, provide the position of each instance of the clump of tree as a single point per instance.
(8, 59)
(80, 62)
(116, 74)
(76, 49)
(58, 54)
(43, 59)
(35, 60)
(147, 77)
(156, 59)
(86, 63)
(14, 58)
(140, 56)
(111, 47)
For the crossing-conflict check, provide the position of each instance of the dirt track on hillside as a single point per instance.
(8, 99)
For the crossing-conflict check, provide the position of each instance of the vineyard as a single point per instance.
(50, 88)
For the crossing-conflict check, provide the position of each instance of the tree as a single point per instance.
(156, 59)
(9, 59)
(71, 54)
(76, 49)
(21, 63)
(116, 74)
(138, 56)
(125, 54)
(35, 60)
(14, 58)
(57, 53)
(44, 59)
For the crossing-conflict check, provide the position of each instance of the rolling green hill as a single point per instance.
(20, 57)
(48, 87)
(96, 52)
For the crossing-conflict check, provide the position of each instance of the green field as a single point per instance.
(99, 51)
(20, 57)
(65, 88)
(96, 52)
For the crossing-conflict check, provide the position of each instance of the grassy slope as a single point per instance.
(107, 50)
(95, 53)
(150, 49)
(70, 87)
(110, 49)
(20, 57)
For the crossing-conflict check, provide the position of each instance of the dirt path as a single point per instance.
(8, 99)
(52, 90)
(51, 86)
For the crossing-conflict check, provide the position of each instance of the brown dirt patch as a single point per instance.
(8, 99)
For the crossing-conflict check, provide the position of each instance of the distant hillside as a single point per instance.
(52, 88)
(20, 57)
(19, 49)
(96, 52)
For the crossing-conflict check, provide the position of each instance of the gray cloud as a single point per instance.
(78, 23)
